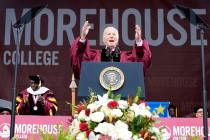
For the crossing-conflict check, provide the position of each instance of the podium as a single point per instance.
(90, 78)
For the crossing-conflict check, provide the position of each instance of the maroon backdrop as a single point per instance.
(175, 74)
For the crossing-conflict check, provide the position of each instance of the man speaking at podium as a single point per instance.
(80, 49)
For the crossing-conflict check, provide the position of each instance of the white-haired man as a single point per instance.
(80, 49)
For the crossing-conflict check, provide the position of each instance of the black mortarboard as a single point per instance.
(35, 78)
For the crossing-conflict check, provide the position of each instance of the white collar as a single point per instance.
(40, 91)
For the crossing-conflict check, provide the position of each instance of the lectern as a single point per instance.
(125, 78)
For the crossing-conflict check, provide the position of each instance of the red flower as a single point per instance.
(144, 134)
(87, 112)
(83, 126)
(112, 104)
(80, 108)
(88, 133)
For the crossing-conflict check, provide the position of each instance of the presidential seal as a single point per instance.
(111, 77)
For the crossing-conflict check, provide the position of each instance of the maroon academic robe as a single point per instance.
(25, 102)
(80, 52)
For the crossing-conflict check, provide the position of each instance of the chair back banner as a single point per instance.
(90, 77)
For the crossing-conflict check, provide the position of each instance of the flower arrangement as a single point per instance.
(108, 117)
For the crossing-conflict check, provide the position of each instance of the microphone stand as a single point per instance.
(17, 60)
(201, 25)
(18, 25)
(205, 110)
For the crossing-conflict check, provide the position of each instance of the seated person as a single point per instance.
(172, 110)
(198, 111)
(36, 99)
(5, 107)
(5, 111)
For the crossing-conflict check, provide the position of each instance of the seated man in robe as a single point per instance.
(81, 51)
(36, 99)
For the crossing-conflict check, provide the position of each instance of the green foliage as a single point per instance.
(92, 125)
(112, 95)
(63, 134)
(196, 138)
(47, 136)
(14, 138)
(138, 95)
(140, 123)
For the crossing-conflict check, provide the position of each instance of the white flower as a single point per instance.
(123, 104)
(74, 128)
(121, 131)
(146, 113)
(116, 113)
(142, 106)
(121, 124)
(92, 136)
(82, 115)
(104, 128)
(103, 100)
(154, 130)
(140, 110)
(94, 106)
(106, 110)
(81, 136)
(97, 117)
(135, 108)
(135, 137)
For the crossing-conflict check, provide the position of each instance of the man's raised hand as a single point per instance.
(138, 33)
(85, 30)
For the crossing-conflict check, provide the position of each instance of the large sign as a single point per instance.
(182, 128)
(30, 127)
(45, 43)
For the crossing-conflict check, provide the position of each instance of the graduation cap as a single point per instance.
(35, 78)
(5, 105)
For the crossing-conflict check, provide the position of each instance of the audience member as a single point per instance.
(198, 111)
(5, 107)
(172, 110)
(5, 111)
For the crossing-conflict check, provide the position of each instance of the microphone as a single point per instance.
(105, 54)
(116, 55)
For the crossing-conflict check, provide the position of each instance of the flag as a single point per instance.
(159, 108)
